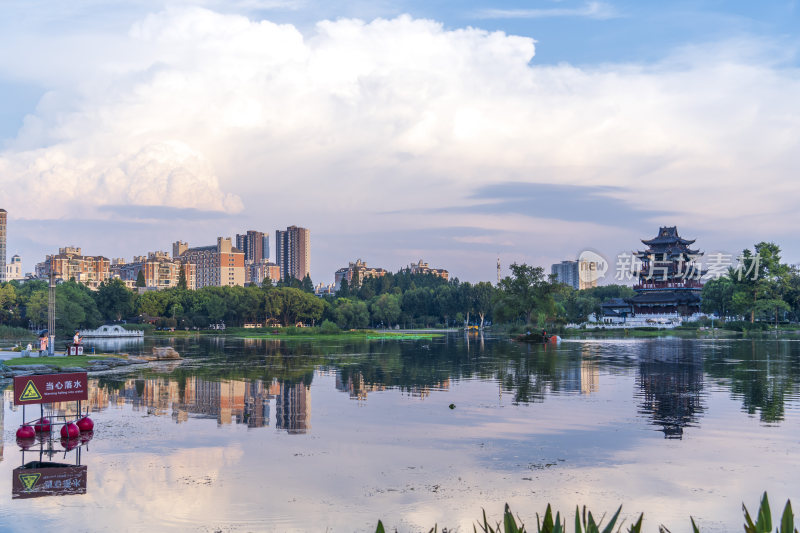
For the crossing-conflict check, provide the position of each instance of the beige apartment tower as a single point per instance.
(293, 252)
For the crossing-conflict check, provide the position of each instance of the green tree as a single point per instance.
(307, 285)
(152, 304)
(482, 298)
(344, 289)
(140, 279)
(526, 291)
(182, 284)
(717, 296)
(36, 308)
(75, 307)
(8, 302)
(114, 299)
(350, 314)
(760, 281)
(386, 308)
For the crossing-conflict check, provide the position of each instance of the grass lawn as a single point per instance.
(72, 360)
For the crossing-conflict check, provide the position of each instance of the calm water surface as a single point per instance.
(255, 434)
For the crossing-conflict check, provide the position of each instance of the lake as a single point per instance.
(285, 435)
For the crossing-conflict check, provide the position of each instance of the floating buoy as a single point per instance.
(26, 432)
(69, 430)
(85, 424)
(70, 444)
(25, 443)
(42, 426)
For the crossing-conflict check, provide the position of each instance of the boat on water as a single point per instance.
(538, 338)
(111, 331)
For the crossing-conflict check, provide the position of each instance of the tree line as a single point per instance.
(760, 288)
(527, 296)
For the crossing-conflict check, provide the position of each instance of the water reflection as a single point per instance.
(533, 424)
(671, 383)
(235, 381)
(122, 344)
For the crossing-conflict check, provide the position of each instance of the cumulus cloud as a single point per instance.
(194, 109)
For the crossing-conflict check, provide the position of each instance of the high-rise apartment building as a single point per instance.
(569, 273)
(3, 220)
(293, 252)
(254, 245)
(215, 266)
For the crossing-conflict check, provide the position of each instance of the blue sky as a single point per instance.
(421, 134)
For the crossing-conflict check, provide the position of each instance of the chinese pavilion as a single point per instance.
(669, 277)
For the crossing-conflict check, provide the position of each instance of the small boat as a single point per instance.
(538, 338)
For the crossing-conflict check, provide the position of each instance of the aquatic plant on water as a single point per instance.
(585, 522)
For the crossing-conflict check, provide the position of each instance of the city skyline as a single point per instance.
(454, 132)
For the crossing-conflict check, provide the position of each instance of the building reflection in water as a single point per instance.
(670, 381)
(226, 401)
(2, 414)
(358, 387)
(293, 408)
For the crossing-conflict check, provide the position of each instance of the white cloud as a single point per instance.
(593, 10)
(197, 109)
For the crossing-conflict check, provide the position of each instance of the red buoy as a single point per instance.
(42, 426)
(70, 444)
(69, 430)
(25, 443)
(26, 432)
(85, 424)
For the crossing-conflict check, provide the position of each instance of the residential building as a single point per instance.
(321, 289)
(359, 271)
(14, 269)
(215, 266)
(293, 252)
(254, 245)
(70, 263)
(3, 222)
(178, 247)
(579, 274)
(423, 268)
(256, 272)
(158, 269)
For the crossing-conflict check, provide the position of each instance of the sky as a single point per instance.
(453, 132)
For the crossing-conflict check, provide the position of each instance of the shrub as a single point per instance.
(329, 328)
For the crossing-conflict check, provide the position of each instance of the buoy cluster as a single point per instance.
(72, 433)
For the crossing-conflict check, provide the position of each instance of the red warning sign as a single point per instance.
(49, 388)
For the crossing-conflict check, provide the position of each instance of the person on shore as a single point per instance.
(76, 340)
(42, 345)
(544, 336)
